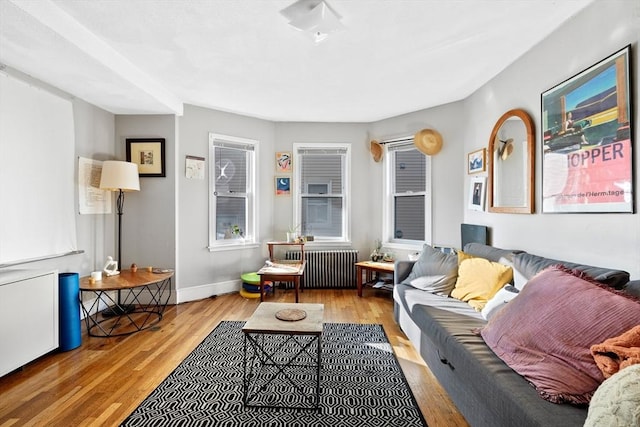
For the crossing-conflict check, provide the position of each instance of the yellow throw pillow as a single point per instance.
(479, 279)
(463, 256)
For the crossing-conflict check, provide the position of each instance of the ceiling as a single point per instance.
(241, 56)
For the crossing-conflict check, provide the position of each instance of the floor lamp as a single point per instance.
(119, 176)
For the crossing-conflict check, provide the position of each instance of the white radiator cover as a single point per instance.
(328, 268)
(29, 324)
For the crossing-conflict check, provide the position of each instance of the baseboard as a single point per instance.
(194, 293)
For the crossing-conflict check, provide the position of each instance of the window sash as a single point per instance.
(232, 219)
(408, 199)
(321, 203)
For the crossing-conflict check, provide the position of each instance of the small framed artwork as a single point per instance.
(283, 162)
(194, 167)
(148, 154)
(477, 190)
(283, 185)
(477, 161)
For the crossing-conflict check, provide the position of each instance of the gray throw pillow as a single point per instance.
(433, 262)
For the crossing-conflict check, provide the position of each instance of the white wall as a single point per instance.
(600, 239)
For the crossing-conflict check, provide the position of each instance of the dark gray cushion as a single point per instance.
(529, 265)
(433, 262)
(633, 288)
(488, 252)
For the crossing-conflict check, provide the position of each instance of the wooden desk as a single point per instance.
(282, 272)
(270, 245)
(139, 286)
(368, 268)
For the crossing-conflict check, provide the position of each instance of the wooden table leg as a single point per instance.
(296, 285)
(359, 281)
(261, 288)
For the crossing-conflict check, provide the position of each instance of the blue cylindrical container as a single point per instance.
(69, 311)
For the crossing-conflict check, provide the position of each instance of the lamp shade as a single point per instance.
(118, 175)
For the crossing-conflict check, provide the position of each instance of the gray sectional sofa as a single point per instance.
(485, 390)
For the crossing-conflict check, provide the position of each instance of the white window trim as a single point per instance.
(252, 239)
(345, 240)
(389, 240)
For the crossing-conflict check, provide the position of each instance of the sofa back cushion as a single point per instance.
(488, 252)
(545, 334)
(529, 265)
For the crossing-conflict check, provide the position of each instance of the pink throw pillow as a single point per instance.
(545, 334)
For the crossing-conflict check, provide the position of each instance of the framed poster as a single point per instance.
(91, 199)
(476, 161)
(587, 160)
(477, 190)
(283, 185)
(148, 154)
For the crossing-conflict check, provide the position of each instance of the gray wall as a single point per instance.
(599, 239)
(448, 166)
(202, 273)
(365, 196)
(149, 219)
(166, 223)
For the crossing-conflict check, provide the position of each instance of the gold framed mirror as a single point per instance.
(511, 158)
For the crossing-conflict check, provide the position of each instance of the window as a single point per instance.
(321, 183)
(408, 200)
(232, 190)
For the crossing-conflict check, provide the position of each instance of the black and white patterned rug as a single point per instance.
(361, 385)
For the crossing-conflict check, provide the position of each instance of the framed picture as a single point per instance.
(284, 162)
(476, 161)
(283, 185)
(477, 190)
(194, 167)
(148, 154)
(587, 160)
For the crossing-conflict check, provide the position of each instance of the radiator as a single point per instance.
(328, 269)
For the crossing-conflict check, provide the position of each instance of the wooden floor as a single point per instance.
(102, 381)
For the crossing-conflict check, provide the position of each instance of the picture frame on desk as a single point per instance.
(148, 154)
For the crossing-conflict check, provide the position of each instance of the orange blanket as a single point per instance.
(618, 352)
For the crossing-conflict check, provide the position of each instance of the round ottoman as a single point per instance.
(251, 285)
(250, 278)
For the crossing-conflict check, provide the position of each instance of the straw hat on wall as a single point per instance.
(376, 150)
(428, 141)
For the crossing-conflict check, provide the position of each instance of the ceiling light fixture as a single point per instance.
(315, 17)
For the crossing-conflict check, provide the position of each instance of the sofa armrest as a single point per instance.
(633, 288)
(401, 270)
